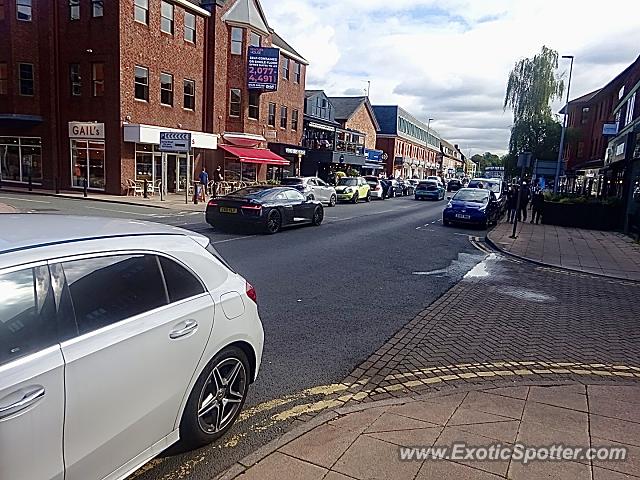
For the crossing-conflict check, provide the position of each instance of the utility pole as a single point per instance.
(564, 128)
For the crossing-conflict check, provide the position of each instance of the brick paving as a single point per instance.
(365, 444)
(593, 251)
(6, 208)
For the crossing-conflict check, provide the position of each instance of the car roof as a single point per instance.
(28, 230)
(483, 190)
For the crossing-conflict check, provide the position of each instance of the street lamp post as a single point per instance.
(564, 128)
(428, 128)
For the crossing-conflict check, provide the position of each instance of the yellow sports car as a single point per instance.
(352, 189)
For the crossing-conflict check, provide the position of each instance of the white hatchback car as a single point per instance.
(117, 339)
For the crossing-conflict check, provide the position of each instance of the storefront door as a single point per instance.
(176, 172)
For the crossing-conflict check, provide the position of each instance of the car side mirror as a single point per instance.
(449, 197)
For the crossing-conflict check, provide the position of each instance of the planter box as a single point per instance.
(583, 215)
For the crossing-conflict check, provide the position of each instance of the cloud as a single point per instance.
(449, 59)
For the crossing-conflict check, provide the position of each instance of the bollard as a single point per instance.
(86, 186)
(57, 185)
(195, 194)
(145, 189)
(30, 182)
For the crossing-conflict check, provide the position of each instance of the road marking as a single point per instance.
(233, 239)
(24, 200)
(122, 211)
(432, 272)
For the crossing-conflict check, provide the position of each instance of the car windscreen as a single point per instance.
(291, 181)
(493, 186)
(474, 196)
(349, 182)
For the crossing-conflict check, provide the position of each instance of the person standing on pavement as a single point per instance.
(217, 178)
(512, 201)
(524, 202)
(537, 205)
(204, 182)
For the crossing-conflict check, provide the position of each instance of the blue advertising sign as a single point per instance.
(262, 68)
(375, 155)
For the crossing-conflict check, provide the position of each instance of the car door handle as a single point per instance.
(29, 397)
(190, 326)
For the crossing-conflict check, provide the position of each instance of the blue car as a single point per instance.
(473, 206)
(429, 190)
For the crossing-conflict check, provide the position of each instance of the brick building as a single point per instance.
(91, 110)
(451, 160)
(412, 147)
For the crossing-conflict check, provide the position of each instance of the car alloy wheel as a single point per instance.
(332, 201)
(367, 198)
(222, 395)
(318, 216)
(355, 198)
(216, 398)
(274, 222)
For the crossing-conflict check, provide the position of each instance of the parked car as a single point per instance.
(266, 207)
(454, 185)
(116, 341)
(376, 188)
(407, 187)
(396, 189)
(435, 178)
(498, 186)
(353, 189)
(472, 206)
(313, 188)
(429, 190)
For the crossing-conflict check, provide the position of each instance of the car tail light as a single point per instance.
(212, 203)
(253, 208)
(251, 293)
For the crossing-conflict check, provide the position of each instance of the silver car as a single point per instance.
(313, 188)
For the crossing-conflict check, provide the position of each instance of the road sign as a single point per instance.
(175, 142)
(524, 160)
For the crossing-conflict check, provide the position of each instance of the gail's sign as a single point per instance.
(88, 130)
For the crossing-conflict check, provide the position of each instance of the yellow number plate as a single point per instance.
(228, 210)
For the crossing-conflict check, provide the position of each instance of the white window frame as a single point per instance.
(23, 179)
(188, 29)
(171, 20)
(104, 161)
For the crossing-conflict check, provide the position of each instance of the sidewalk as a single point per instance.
(592, 251)
(6, 208)
(363, 442)
(174, 201)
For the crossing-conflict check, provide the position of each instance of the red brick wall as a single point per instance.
(362, 122)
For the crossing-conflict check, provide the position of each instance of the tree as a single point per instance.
(487, 159)
(532, 86)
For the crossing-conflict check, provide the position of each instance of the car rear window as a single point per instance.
(291, 181)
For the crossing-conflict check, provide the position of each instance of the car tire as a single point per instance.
(274, 222)
(446, 223)
(195, 428)
(332, 201)
(318, 216)
(355, 198)
(367, 198)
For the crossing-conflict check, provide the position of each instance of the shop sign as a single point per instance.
(294, 151)
(610, 129)
(320, 126)
(262, 69)
(89, 130)
(175, 142)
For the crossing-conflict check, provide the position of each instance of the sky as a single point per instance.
(450, 59)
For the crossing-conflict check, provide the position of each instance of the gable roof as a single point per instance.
(278, 41)
(249, 13)
(345, 107)
(311, 93)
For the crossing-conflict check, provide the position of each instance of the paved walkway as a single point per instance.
(6, 208)
(366, 443)
(592, 251)
(174, 201)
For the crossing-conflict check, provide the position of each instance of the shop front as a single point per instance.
(249, 165)
(21, 160)
(293, 153)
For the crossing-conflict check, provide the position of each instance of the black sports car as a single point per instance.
(264, 206)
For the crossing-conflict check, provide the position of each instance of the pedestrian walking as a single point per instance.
(524, 202)
(217, 178)
(204, 182)
(537, 205)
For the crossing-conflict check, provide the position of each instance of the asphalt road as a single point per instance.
(328, 297)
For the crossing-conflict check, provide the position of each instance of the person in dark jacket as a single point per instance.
(524, 202)
(537, 205)
(512, 201)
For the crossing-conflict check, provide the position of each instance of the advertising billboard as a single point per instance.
(262, 69)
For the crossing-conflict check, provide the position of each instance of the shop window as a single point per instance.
(87, 162)
(75, 79)
(166, 89)
(166, 17)
(630, 107)
(189, 27)
(24, 10)
(97, 8)
(232, 167)
(255, 40)
(249, 172)
(285, 68)
(25, 77)
(294, 120)
(19, 158)
(142, 83)
(74, 9)
(272, 115)
(235, 102)
(254, 105)
(97, 79)
(148, 163)
(4, 79)
(141, 11)
(283, 117)
(296, 72)
(189, 101)
(236, 40)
